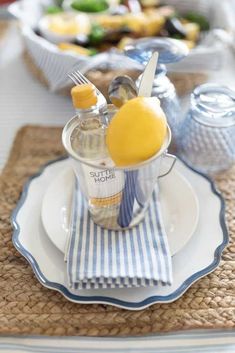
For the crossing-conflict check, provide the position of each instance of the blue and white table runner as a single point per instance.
(100, 258)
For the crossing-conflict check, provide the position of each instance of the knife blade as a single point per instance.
(147, 78)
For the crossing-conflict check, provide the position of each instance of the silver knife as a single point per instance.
(147, 78)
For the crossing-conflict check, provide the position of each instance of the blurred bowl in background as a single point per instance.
(53, 63)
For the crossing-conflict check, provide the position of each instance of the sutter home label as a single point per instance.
(104, 186)
(102, 176)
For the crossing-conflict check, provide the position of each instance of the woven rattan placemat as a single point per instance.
(26, 307)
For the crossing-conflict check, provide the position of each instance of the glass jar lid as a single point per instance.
(213, 105)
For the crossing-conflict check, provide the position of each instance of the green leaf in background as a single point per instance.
(51, 10)
(199, 19)
(96, 35)
(90, 5)
(177, 36)
(93, 51)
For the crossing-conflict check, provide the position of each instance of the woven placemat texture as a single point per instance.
(26, 307)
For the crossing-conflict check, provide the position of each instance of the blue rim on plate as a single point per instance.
(108, 300)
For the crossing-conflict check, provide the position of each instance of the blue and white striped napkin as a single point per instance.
(100, 258)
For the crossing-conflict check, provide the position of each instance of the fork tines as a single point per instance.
(78, 78)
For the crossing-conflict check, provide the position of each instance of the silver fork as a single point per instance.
(79, 79)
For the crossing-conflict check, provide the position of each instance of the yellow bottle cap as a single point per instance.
(84, 96)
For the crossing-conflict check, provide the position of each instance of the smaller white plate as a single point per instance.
(176, 195)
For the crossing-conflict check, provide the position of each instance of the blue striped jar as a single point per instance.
(207, 135)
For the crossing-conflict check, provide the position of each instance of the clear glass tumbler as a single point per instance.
(207, 135)
(116, 198)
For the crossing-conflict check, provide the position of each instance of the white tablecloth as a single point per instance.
(25, 101)
(22, 99)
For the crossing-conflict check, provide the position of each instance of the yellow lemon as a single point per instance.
(137, 131)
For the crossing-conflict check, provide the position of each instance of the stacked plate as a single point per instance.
(194, 217)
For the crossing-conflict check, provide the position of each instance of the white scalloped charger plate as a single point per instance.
(200, 256)
(176, 195)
